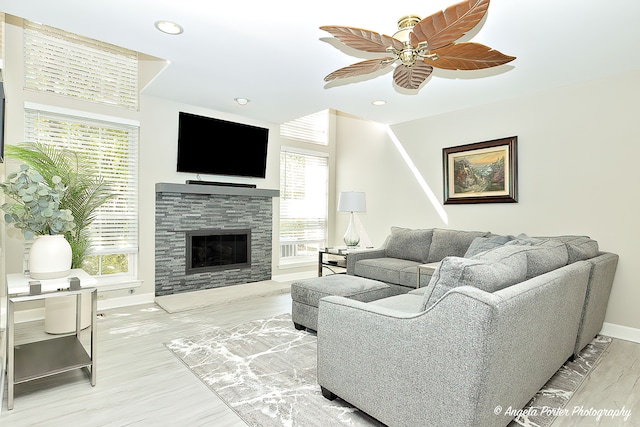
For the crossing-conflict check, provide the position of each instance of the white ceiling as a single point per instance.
(273, 52)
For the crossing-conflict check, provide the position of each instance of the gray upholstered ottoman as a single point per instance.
(306, 294)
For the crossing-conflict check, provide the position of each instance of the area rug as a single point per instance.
(265, 371)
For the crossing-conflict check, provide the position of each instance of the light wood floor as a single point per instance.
(140, 383)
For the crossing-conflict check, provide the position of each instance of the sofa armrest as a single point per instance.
(355, 256)
(393, 365)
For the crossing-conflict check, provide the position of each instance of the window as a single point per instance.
(303, 205)
(64, 64)
(113, 149)
(312, 128)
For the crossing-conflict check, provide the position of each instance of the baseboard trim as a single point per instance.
(31, 315)
(294, 276)
(136, 299)
(621, 332)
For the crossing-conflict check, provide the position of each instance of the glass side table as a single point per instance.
(332, 259)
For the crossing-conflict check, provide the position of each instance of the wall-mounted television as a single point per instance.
(218, 147)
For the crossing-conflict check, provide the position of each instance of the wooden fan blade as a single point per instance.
(357, 38)
(411, 77)
(359, 68)
(445, 27)
(468, 56)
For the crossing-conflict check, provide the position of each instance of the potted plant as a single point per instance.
(37, 212)
(85, 191)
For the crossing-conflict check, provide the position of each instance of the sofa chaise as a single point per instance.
(488, 330)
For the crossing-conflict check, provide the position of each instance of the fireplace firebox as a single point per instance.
(217, 249)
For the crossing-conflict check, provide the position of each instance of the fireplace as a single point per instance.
(217, 249)
(187, 212)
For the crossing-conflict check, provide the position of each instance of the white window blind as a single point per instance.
(63, 63)
(112, 149)
(312, 128)
(303, 204)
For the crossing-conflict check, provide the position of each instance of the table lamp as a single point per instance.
(352, 201)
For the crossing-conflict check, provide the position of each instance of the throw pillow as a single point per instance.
(451, 243)
(482, 274)
(406, 243)
(482, 244)
(523, 239)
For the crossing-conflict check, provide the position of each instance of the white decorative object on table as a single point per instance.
(50, 257)
(352, 201)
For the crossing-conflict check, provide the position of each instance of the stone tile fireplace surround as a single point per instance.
(184, 208)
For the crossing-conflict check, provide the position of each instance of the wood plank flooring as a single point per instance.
(140, 383)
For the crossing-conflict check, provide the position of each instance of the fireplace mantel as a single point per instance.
(164, 187)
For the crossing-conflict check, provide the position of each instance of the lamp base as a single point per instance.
(351, 237)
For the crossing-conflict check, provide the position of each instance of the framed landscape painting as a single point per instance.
(484, 172)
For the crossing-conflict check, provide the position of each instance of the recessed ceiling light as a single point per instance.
(241, 101)
(169, 27)
(379, 102)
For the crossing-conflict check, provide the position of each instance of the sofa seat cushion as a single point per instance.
(483, 274)
(384, 269)
(408, 303)
(451, 243)
(406, 243)
(309, 291)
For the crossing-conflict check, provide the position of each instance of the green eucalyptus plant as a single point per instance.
(36, 208)
(86, 189)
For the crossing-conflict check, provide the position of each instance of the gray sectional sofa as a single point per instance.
(498, 317)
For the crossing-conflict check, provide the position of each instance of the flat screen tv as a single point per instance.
(218, 147)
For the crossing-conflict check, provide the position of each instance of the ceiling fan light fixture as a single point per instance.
(405, 25)
(169, 27)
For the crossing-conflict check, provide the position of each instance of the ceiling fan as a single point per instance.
(419, 45)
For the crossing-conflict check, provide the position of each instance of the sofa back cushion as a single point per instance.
(410, 244)
(487, 275)
(451, 243)
(578, 247)
(542, 255)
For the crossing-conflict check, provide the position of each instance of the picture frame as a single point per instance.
(482, 172)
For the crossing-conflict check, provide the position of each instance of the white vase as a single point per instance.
(50, 257)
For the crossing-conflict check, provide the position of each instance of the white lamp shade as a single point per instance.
(352, 201)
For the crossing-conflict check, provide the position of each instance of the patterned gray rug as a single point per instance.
(265, 371)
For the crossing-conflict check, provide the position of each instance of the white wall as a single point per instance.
(577, 153)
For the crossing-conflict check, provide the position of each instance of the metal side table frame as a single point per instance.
(39, 359)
